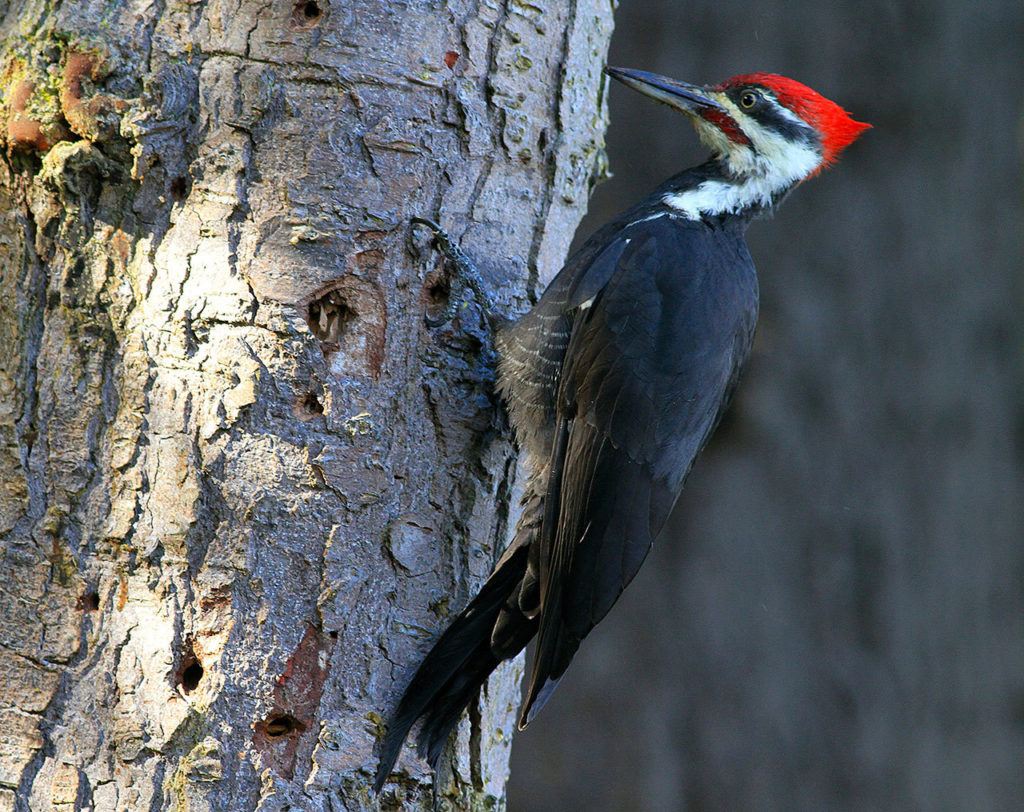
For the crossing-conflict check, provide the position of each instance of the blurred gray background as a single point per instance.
(835, 618)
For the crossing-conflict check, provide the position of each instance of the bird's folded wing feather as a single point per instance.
(642, 384)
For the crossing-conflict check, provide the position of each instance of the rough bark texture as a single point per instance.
(242, 485)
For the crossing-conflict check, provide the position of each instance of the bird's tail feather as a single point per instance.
(453, 671)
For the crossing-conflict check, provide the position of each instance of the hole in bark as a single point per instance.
(309, 406)
(333, 635)
(190, 670)
(282, 725)
(89, 602)
(328, 318)
(307, 14)
(438, 293)
(190, 677)
(350, 321)
(179, 187)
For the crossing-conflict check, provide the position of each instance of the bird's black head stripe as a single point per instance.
(765, 113)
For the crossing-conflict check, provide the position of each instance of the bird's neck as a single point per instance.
(712, 190)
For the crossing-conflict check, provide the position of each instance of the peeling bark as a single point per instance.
(241, 484)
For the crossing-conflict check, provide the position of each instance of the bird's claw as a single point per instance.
(426, 221)
(466, 274)
(433, 324)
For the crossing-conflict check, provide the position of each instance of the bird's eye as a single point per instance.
(748, 99)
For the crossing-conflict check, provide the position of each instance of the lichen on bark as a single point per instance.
(241, 483)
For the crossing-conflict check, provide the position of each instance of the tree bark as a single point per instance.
(242, 485)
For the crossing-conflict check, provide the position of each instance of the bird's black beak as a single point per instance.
(680, 95)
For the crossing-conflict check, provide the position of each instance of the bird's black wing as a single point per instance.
(651, 358)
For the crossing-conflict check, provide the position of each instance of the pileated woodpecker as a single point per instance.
(615, 380)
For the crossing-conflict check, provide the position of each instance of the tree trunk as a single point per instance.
(242, 485)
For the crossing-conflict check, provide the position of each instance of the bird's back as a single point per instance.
(695, 280)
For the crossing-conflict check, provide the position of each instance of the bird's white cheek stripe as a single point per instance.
(779, 158)
(761, 171)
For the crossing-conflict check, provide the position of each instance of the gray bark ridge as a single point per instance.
(242, 485)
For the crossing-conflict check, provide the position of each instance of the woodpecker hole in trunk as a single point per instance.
(191, 676)
(309, 406)
(328, 318)
(349, 319)
(306, 14)
(439, 291)
(179, 188)
(190, 670)
(89, 602)
(281, 725)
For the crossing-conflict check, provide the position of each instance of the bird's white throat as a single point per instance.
(715, 197)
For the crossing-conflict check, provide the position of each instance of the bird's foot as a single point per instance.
(466, 276)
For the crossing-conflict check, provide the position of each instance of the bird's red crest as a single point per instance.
(838, 130)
